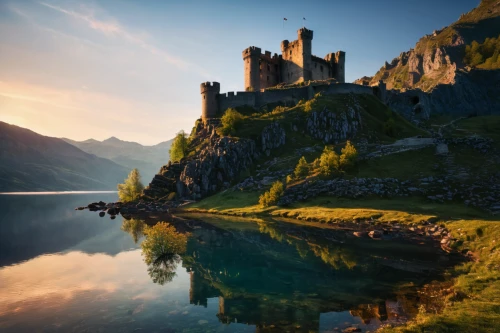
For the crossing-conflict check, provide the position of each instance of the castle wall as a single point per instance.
(284, 95)
(240, 98)
(346, 88)
(270, 71)
(293, 63)
(321, 69)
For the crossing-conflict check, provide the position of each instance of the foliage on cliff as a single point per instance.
(132, 188)
(179, 147)
(271, 197)
(484, 55)
(231, 121)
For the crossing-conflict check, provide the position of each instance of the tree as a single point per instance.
(161, 240)
(272, 197)
(179, 147)
(329, 162)
(302, 168)
(348, 157)
(132, 188)
(231, 120)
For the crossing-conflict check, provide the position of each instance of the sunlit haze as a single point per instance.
(132, 69)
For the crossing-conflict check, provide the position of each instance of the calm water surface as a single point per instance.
(63, 270)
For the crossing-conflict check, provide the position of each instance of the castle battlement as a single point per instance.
(210, 86)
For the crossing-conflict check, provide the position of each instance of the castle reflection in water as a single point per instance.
(279, 276)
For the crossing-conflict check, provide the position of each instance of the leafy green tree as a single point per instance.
(349, 156)
(272, 197)
(179, 147)
(132, 188)
(231, 120)
(162, 270)
(302, 168)
(329, 162)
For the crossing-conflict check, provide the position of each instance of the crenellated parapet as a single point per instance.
(251, 51)
(305, 33)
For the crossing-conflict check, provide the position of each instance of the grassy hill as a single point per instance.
(33, 162)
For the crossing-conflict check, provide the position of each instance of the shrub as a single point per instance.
(231, 120)
(485, 55)
(179, 147)
(308, 106)
(349, 156)
(329, 162)
(132, 188)
(161, 240)
(289, 178)
(479, 232)
(302, 168)
(271, 197)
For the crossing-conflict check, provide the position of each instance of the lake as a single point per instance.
(67, 270)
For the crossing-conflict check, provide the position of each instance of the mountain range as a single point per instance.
(33, 162)
(148, 159)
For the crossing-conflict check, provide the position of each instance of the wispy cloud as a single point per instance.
(113, 28)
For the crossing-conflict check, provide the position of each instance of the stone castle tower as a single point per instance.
(295, 64)
(209, 101)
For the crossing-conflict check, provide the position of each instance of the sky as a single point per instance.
(132, 68)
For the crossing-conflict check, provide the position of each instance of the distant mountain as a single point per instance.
(148, 159)
(33, 162)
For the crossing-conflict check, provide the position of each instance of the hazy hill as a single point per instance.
(148, 159)
(437, 58)
(33, 162)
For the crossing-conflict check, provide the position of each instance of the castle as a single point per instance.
(296, 64)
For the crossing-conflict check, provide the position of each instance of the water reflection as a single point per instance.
(134, 227)
(86, 274)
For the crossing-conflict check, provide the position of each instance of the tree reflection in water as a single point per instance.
(134, 227)
(161, 250)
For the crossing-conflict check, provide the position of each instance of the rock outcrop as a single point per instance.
(334, 127)
(215, 165)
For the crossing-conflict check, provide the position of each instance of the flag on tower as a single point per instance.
(285, 19)
(304, 18)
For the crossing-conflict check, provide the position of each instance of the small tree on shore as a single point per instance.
(272, 197)
(179, 147)
(132, 188)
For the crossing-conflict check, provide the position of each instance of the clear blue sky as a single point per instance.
(132, 69)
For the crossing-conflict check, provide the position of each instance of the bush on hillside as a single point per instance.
(271, 197)
(329, 162)
(132, 188)
(231, 120)
(179, 147)
(302, 168)
(349, 157)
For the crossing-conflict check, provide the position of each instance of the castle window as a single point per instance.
(268, 68)
(268, 78)
(290, 52)
(321, 68)
(276, 68)
(203, 96)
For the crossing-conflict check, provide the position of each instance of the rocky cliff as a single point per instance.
(217, 162)
(437, 56)
(434, 78)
